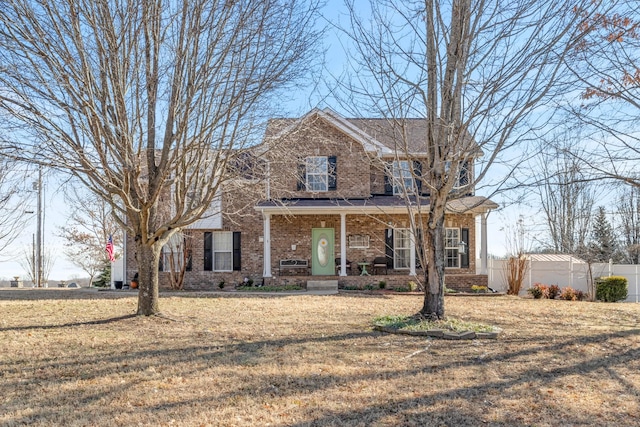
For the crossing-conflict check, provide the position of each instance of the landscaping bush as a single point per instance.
(611, 289)
(382, 284)
(553, 291)
(569, 294)
(539, 291)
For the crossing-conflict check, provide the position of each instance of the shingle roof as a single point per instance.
(407, 135)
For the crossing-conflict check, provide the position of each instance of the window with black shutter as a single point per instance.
(388, 246)
(417, 173)
(237, 264)
(208, 251)
(464, 258)
(333, 175)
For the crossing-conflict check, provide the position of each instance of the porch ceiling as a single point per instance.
(371, 206)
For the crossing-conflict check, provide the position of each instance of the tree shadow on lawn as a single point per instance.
(42, 294)
(70, 325)
(421, 409)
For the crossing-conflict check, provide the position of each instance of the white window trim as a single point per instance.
(396, 248)
(215, 251)
(454, 247)
(359, 241)
(457, 185)
(324, 175)
(401, 177)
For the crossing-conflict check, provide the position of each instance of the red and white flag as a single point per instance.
(109, 249)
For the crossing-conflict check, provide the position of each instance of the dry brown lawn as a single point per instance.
(79, 358)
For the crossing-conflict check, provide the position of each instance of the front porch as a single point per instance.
(310, 234)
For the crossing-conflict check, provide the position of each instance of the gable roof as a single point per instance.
(277, 128)
(380, 136)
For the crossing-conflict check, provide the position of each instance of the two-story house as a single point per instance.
(339, 200)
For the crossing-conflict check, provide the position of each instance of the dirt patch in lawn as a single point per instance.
(76, 357)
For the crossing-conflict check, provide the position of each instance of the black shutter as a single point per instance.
(388, 179)
(417, 173)
(464, 258)
(237, 265)
(332, 163)
(302, 176)
(388, 246)
(208, 251)
(161, 261)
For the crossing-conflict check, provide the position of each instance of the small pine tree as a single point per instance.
(603, 244)
(104, 277)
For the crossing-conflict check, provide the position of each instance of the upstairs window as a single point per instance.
(402, 177)
(462, 177)
(317, 174)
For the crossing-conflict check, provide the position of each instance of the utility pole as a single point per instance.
(39, 232)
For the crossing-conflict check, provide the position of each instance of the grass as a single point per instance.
(77, 357)
(411, 323)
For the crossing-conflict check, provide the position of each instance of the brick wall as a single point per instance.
(317, 138)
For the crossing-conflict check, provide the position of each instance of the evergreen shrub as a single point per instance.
(611, 289)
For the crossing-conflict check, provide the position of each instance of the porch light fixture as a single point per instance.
(462, 247)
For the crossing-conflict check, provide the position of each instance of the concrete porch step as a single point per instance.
(324, 286)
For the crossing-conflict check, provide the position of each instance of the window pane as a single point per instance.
(317, 177)
(317, 182)
(402, 258)
(402, 245)
(452, 238)
(223, 241)
(317, 165)
(222, 251)
(223, 261)
(402, 177)
(451, 258)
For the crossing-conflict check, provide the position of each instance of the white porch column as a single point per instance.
(483, 243)
(412, 254)
(266, 258)
(343, 244)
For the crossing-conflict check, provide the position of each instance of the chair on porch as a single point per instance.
(379, 262)
(339, 263)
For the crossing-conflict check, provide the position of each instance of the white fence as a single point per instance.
(571, 272)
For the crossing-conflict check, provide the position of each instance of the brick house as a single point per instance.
(332, 205)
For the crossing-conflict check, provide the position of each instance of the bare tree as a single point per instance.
(606, 66)
(567, 195)
(517, 264)
(146, 102)
(87, 230)
(475, 71)
(14, 201)
(29, 262)
(177, 259)
(629, 215)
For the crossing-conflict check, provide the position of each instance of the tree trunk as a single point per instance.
(148, 259)
(433, 306)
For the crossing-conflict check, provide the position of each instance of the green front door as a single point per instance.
(322, 252)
